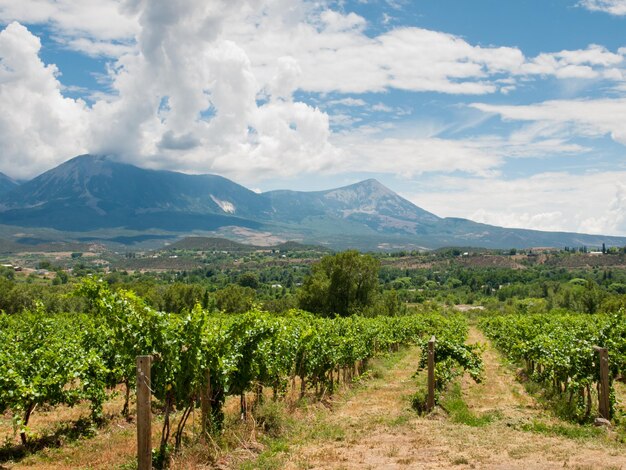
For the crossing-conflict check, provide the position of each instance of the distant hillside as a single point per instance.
(36, 245)
(224, 244)
(8, 246)
(209, 244)
(295, 246)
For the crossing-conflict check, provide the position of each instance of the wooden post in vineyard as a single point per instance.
(205, 403)
(604, 406)
(431, 374)
(144, 432)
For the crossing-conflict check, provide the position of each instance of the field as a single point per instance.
(242, 379)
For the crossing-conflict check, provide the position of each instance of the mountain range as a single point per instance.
(90, 193)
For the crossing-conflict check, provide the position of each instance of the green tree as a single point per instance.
(342, 284)
(249, 279)
(235, 299)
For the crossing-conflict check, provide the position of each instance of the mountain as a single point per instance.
(7, 184)
(91, 195)
(368, 203)
(91, 192)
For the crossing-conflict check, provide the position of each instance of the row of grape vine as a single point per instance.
(558, 351)
(66, 358)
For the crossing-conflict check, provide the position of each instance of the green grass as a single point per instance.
(458, 411)
(571, 431)
(271, 458)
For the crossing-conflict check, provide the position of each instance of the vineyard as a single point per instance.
(47, 360)
(225, 371)
(558, 351)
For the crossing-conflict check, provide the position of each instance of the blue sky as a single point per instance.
(508, 113)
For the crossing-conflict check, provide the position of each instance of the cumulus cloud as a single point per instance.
(412, 59)
(613, 7)
(39, 127)
(188, 99)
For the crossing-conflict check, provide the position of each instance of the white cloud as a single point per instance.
(412, 157)
(613, 7)
(184, 69)
(589, 117)
(347, 102)
(96, 48)
(39, 128)
(330, 48)
(594, 62)
(593, 202)
(373, 150)
(95, 21)
(185, 96)
(408, 58)
(336, 22)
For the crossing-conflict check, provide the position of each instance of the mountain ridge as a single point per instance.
(7, 183)
(91, 193)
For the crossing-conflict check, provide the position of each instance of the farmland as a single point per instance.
(244, 377)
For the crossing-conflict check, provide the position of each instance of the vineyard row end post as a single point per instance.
(144, 432)
(604, 406)
(431, 374)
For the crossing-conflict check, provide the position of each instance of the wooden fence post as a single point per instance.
(431, 374)
(144, 432)
(604, 406)
(205, 403)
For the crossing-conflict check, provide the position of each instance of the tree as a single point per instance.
(235, 299)
(342, 284)
(249, 279)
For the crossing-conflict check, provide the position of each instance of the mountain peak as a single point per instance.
(7, 183)
(371, 184)
(87, 158)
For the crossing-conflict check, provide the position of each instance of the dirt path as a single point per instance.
(380, 431)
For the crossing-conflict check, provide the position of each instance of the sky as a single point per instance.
(511, 113)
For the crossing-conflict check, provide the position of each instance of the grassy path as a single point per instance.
(377, 429)
(499, 392)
